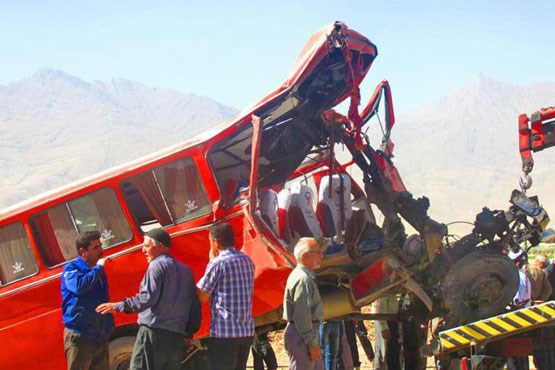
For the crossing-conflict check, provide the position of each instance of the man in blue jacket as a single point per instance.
(84, 287)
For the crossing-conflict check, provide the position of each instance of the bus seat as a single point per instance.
(284, 202)
(269, 209)
(302, 218)
(325, 217)
(332, 216)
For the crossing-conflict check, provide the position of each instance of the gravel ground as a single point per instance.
(276, 338)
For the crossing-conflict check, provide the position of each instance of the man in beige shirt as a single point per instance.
(541, 291)
(541, 288)
(302, 308)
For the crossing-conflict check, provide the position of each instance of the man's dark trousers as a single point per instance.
(157, 349)
(229, 353)
(83, 353)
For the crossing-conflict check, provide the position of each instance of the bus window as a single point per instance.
(101, 211)
(145, 202)
(170, 194)
(16, 256)
(55, 235)
(183, 190)
(57, 228)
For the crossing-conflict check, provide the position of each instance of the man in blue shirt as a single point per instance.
(228, 282)
(84, 287)
(167, 304)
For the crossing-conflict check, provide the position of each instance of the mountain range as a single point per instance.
(461, 151)
(56, 128)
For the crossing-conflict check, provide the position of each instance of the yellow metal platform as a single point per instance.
(497, 327)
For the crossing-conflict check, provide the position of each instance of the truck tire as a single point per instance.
(121, 349)
(479, 285)
(120, 352)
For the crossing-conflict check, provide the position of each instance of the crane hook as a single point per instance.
(525, 182)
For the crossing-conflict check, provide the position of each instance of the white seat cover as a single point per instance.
(284, 202)
(269, 209)
(302, 197)
(333, 202)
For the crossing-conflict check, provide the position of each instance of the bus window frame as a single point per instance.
(38, 260)
(152, 171)
(65, 202)
(121, 208)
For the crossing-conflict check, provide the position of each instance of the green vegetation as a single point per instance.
(547, 248)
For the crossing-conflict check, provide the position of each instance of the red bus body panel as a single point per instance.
(31, 320)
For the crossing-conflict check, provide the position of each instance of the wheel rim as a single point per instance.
(486, 290)
(479, 285)
(121, 362)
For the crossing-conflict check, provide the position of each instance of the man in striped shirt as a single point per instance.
(228, 282)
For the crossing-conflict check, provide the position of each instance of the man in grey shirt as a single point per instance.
(167, 304)
(302, 308)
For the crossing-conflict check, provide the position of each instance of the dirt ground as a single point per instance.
(276, 338)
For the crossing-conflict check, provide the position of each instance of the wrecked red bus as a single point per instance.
(276, 173)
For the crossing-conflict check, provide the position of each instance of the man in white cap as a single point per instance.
(522, 299)
(523, 296)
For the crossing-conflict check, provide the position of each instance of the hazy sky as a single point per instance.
(236, 52)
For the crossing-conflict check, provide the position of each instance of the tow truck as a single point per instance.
(486, 343)
(536, 133)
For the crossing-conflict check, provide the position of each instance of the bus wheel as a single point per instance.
(120, 352)
(479, 285)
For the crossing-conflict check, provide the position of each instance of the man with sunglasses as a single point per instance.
(302, 308)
